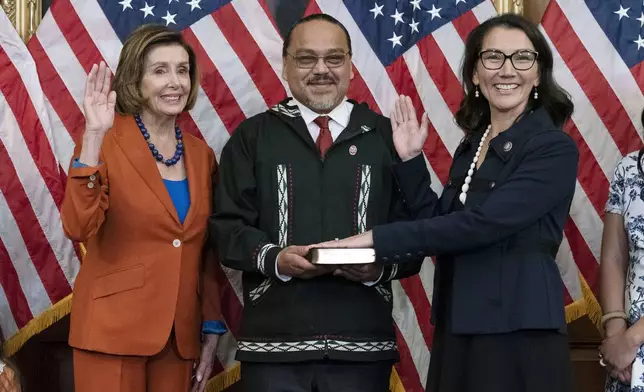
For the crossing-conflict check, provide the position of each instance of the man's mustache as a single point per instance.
(320, 79)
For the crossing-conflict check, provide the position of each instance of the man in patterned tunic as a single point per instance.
(313, 168)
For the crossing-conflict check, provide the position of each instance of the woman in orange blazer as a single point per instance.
(138, 195)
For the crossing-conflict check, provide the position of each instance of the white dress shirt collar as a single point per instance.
(341, 114)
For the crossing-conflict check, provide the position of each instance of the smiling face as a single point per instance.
(166, 80)
(321, 88)
(506, 89)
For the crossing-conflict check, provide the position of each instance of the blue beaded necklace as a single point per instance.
(157, 155)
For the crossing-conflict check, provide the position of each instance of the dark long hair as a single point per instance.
(474, 113)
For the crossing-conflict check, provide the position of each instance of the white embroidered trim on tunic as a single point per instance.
(316, 345)
(363, 199)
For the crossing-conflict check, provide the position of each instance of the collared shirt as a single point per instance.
(338, 118)
(338, 121)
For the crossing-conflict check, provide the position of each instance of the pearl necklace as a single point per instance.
(466, 186)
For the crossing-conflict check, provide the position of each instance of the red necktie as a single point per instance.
(324, 140)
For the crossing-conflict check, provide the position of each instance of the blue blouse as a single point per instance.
(180, 195)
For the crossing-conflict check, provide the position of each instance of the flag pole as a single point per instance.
(509, 6)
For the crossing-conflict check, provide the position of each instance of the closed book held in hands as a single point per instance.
(342, 256)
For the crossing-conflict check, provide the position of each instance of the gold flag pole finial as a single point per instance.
(25, 15)
(9, 7)
(509, 6)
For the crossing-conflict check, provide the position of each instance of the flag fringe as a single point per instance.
(593, 309)
(585, 306)
(575, 310)
(38, 324)
(395, 384)
(224, 379)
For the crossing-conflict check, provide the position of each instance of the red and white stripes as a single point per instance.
(239, 53)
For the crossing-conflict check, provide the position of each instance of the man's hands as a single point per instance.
(360, 272)
(291, 261)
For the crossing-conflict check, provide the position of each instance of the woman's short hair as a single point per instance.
(474, 113)
(131, 66)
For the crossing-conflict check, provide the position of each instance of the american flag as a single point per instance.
(598, 55)
(411, 47)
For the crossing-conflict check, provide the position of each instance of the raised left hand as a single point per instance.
(207, 359)
(619, 350)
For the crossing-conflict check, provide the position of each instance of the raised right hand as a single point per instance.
(409, 136)
(291, 262)
(99, 101)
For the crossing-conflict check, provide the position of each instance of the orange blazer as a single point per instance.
(144, 271)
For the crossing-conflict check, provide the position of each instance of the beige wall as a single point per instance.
(533, 9)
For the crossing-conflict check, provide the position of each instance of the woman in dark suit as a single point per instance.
(498, 301)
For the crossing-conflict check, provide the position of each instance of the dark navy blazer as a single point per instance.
(504, 241)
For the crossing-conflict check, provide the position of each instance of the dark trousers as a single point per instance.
(316, 376)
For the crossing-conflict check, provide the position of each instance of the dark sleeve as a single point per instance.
(415, 183)
(544, 179)
(234, 223)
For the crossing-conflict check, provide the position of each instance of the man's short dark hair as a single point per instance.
(310, 18)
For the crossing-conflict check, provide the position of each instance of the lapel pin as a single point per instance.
(353, 150)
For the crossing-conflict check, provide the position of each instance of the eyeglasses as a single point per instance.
(522, 60)
(309, 61)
